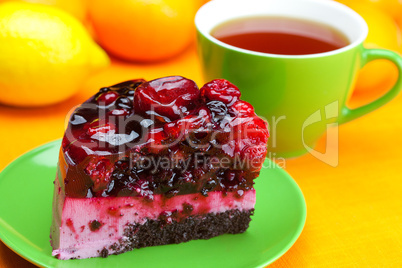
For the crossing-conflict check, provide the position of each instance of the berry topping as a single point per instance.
(218, 110)
(164, 136)
(97, 127)
(156, 141)
(241, 109)
(251, 136)
(77, 119)
(74, 153)
(170, 97)
(124, 103)
(107, 98)
(119, 112)
(191, 123)
(253, 129)
(221, 90)
(99, 171)
(127, 85)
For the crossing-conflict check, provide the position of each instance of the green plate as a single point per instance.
(26, 189)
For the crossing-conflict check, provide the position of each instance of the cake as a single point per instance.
(146, 163)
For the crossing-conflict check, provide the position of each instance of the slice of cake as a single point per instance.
(155, 163)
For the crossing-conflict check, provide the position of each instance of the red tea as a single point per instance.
(280, 35)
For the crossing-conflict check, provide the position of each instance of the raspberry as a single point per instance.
(241, 109)
(170, 97)
(251, 137)
(99, 171)
(252, 129)
(255, 156)
(220, 90)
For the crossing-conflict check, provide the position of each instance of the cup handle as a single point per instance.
(368, 55)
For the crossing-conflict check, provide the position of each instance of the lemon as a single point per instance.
(77, 8)
(45, 54)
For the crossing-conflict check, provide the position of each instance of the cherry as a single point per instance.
(107, 98)
(155, 141)
(220, 90)
(75, 153)
(169, 96)
(118, 112)
(98, 126)
(200, 122)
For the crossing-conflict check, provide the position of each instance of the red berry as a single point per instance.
(253, 129)
(107, 98)
(242, 109)
(200, 122)
(248, 139)
(220, 90)
(99, 170)
(155, 141)
(169, 96)
(254, 155)
(75, 153)
(118, 112)
(99, 127)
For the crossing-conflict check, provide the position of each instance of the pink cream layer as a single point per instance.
(82, 227)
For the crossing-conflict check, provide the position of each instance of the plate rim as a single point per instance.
(297, 231)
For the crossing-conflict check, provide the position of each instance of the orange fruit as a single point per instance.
(143, 30)
(391, 7)
(77, 8)
(378, 75)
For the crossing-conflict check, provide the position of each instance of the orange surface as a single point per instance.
(354, 216)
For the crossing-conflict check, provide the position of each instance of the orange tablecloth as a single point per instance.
(354, 213)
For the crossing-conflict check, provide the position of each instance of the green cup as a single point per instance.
(300, 96)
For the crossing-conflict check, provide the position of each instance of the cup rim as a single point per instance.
(331, 3)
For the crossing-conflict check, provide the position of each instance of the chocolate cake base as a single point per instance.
(158, 232)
